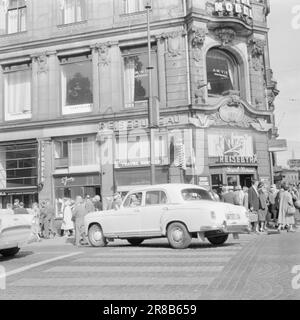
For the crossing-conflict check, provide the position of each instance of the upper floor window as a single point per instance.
(77, 84)
(13, 16)
(222, 72)
(17, 91)
(75, 152)
(131, 6)
(73, 11)
(136, 79)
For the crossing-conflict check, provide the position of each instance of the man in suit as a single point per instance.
(229, 196)
(253, 200)
(79, 213)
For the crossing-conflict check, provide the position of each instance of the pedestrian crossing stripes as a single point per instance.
(111, 281)
(152, 269)
(123, 271)
(181, 254)
(156, 259)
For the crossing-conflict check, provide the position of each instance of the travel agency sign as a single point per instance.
(240, 8)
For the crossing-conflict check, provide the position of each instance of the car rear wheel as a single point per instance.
(218, 240)
(96, 237)
(135, 241)
(9, 252)
(178, 236)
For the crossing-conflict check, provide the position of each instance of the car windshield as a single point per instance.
(195, 194)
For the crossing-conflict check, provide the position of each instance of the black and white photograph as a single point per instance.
(149, 151)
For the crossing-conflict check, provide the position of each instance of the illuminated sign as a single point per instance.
(234, 7)
(238, 159)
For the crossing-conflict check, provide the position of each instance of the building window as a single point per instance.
(73, 11)
(134, 150)
(17, 91)
(12, 16)
(222, 72)
(136, 80)
(18, 165)
(75, 152)
(77, 84)
(131, 6)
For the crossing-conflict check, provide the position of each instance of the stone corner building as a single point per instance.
(74, 90)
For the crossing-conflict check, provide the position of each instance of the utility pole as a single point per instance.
(150, 101)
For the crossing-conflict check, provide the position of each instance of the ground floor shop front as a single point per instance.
(225, 146)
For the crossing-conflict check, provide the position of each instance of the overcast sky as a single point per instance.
(284, 41)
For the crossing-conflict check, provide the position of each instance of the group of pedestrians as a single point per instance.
(267, 207)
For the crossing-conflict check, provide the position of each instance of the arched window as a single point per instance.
(222, 72)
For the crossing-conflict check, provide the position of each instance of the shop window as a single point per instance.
(216, 180)
(18, 165)
(222, 72)
(13, 16)
(132, 6)
(77, 84)
(17, 91)
(73, 11)
(136, 79)
(76, 152)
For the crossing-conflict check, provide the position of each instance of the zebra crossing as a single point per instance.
(125, 272)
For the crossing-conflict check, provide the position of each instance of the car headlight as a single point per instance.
(213, 215)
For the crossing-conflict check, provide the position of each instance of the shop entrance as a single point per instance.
(244, 180)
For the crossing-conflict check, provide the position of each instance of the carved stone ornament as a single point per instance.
(103, 52)
(199, 92)
(197, 39)
(231, 114)
(42, 62)
(256, 48)
(174, 40)
(226, 35)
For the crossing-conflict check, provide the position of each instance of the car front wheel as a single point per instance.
(218, 240)
(96, 237)
(135, 241)
(178, 236)
(9, 252)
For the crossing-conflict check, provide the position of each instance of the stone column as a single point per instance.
(197, 37)
(40, 83)
(54, 89)
(107, 145)
(161, 71)
(96, 80)
(45, 168)
(258, 86)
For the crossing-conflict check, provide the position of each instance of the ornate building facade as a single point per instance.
(74, 92)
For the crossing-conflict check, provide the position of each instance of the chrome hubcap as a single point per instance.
(97, 235)
(177, 235)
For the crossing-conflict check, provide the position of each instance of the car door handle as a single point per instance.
(137, 210)
(165, 208)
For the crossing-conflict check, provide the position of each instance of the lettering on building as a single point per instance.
(239, 159)
(234, 8)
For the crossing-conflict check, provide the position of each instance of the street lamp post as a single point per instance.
(150, 100)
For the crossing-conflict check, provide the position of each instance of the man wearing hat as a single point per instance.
(253, 199)
(272, 203)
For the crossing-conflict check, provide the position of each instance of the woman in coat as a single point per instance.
(285, 202)
(263, 207)
(67, 224)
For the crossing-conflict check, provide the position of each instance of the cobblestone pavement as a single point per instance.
(253, 267)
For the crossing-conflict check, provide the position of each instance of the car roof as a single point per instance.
(166, 186)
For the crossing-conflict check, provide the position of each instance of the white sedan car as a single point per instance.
(179, 212)
(15, 231)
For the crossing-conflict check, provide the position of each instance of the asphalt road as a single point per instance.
(253, 267)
